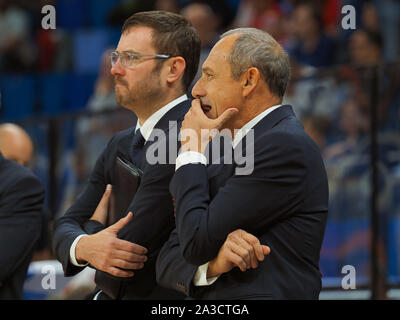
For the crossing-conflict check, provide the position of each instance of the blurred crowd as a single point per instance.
(310, 30)
(331, 90)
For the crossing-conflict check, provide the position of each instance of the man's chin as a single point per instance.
(210, 115)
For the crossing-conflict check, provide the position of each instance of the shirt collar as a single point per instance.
(150, 123)
(249, 125)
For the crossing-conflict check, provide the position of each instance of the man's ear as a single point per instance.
(176, 68)
(250, 81)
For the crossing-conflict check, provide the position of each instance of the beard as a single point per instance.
(140, 94)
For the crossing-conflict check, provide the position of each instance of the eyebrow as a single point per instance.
(206, 69)
(129, 50)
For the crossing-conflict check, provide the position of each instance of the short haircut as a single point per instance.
(256, 48)
(172, 35)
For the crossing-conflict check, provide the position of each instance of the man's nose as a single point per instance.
(117, 69)
(198, 90)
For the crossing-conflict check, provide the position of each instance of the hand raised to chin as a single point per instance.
(197, 129)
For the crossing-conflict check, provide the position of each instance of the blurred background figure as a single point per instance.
(316, 127)
(261, 14)
(310, 45)
(389, 20)
(167, 5)
(207, 23)
(16, 52)
(354, 124)
(15, 144)
(365, 47)
(103, 97)
(21, 210)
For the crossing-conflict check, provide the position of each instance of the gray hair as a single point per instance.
(256, 48)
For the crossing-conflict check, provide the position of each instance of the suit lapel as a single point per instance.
(273, 118)
(175, 115)
(265, 124)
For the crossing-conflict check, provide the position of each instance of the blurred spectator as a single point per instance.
(21, 202)
(15, 144)
(353, 123)
(104, 94)
(125, 8)
(316, 127)
(389, 18)
(206, 23)
(365, 47)
(309, 93)
(16, 53)
(261, 14)
(311, 46)
(370, 17)
(167, 5)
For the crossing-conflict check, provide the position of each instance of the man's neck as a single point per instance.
(154, 107)
(254, 108)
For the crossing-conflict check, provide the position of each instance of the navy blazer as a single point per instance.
(21, 203)
(283, 202)
(152, 206)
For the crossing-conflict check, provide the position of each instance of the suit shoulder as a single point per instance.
(13, 174)
(120, 135)
(116, 139)
(285, 134)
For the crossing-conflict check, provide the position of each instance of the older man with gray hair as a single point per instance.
(282, 201)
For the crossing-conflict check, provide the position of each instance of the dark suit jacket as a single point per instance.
(283, 202)
(152, 207)
(21, 202)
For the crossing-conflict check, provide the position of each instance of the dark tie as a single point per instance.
(136, 147)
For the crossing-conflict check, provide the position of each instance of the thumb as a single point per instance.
(266, 249)
(120, 223)
(225, 116)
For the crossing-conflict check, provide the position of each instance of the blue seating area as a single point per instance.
(85, 24)
(18, 96)
(52, 93)
(74, 14)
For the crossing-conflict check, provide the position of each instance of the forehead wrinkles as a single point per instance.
(215, 59)
(222, 50)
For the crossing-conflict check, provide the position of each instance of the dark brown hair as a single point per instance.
(172, 35)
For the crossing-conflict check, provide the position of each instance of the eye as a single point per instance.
(127, 58)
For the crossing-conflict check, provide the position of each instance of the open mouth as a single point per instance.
(206, 108)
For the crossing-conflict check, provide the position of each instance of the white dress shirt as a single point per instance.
(200, 278)
(146, 130)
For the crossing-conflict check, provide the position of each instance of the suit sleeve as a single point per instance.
(173, 271)
(71, 225)
(273, 191)
(20, 223)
